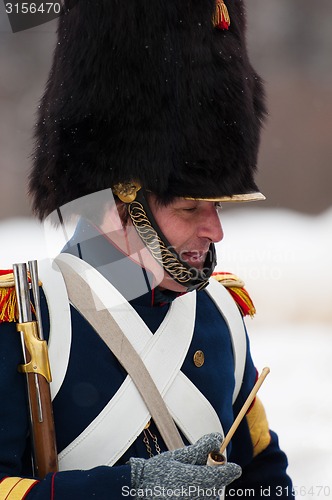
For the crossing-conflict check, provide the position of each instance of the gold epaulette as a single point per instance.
(8, 301)
(235, 286)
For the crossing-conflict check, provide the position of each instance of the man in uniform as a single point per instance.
(150, 119)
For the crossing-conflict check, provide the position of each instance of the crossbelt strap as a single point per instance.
(236, 328)
(163, 357)
(102, 321)
(182, 398)
(60, 321)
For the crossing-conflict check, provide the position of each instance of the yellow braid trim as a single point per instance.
(258, 427)
(15, 488)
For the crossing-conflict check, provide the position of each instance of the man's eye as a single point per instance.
(189, 209)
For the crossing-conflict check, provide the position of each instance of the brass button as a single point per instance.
(199, 358)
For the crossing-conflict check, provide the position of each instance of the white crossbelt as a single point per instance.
(117, 421)
(163, 360)
(233, 318)
(60, 321)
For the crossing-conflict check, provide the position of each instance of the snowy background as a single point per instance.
(284, 257)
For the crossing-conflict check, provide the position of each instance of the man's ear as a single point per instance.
(123, 212)
(115, 217)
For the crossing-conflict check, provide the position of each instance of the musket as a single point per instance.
(37, 369)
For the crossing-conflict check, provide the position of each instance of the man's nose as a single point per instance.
(210, 226)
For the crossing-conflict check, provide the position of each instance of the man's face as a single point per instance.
(190, 226)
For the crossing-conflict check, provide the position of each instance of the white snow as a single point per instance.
(285, 259)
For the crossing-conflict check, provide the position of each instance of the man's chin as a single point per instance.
(195, 263)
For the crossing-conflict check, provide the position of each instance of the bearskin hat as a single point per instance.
(148, 91)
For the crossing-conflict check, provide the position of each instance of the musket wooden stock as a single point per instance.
(36, 367)
(43, 432)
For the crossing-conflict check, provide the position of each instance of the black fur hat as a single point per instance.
(148, 91)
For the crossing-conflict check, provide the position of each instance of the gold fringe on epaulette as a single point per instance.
(243, 300)
(8, 304)
(8, 299)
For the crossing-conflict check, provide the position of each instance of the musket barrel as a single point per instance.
(33, 268)
(22, 292)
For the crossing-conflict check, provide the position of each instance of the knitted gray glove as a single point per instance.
(182, 473)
